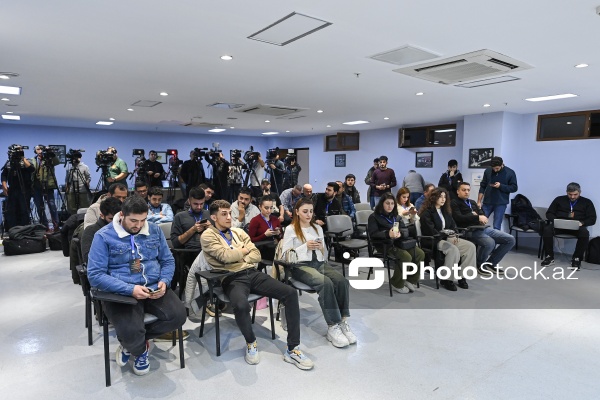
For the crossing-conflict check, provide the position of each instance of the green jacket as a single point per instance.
(44, 177)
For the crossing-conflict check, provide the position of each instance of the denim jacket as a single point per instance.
(160, 215)
(108, 261)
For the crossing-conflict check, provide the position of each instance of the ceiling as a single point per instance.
(80, 62)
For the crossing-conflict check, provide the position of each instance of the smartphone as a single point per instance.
(411, 208)
(318, 240)
(203, 221)
(152, 291)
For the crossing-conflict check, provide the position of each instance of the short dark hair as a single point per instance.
(246, 191)
(383, 158)
(110, 206)
(134, 205)
(155, 191)
(112, 188)
(453, 163)
(140, 183)
(463, 184)
(263, 199)
(382, 199)
(376, 160)
(206, 185)
(334, 185)
(215, 205)
(349, 176)
(152, 151)
(196, 193)
(496, 161)
(427, 187)
(573, 187)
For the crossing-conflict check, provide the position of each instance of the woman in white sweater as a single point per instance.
(306, 238)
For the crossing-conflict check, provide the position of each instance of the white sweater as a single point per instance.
(291, 241)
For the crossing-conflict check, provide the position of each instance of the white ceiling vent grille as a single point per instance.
(465, 67)
(202, 124)
(486, 82)
(146, 103)
(292, 27)
(267, 109)
(405, 55)
(291, 117)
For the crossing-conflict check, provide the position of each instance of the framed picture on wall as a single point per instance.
(424, 159)
(480, 158)
(62, 150)
(161, 157)
(340, 160)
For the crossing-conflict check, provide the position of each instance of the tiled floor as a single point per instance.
(509, 339)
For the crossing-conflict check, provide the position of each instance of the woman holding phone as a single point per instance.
(385, 225)
(265, 228)
(306, 238)
(406, 210)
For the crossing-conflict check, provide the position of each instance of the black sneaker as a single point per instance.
(549, 260)
(576, 264)
(462, 283)
(495, 270)
(483, 271)
(449, 285)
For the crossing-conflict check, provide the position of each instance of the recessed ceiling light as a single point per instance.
(217, 130)
(164, 93)
(386, 118)
(486, 105)
(328, 126)
(287, 131)
(5, 99)
(226, 58)
(555, 97)
(355, 122)
(130, 109)
(10, 112)
(569, 123)
(581, 66)
(420, 94)
(4, 77)
(270, 133)
(12, 117)
(111, 119)
(10, 90)
(104, 123)
(232, 127)
(319, 111)
(267, 121)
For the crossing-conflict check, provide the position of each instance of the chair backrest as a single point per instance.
(362, 217)
(166, 228)
(418, 227)
(339, 224)
(541, 211)
(362, 206)
(570, 224)
(82, 210)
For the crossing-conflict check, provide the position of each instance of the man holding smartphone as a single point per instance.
(130, 257)
(189, 225)
(497, 184)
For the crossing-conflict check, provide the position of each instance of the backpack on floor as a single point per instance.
(18, 247)
(593, 251)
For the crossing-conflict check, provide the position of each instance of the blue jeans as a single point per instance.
(39, 195)
(498, 210)
(372, 202)
(487, 239)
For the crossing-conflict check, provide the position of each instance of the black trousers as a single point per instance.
(240, 285)
(17, 208)
(583, 238)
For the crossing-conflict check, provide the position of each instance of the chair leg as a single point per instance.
(201, 333)
(272, 321)
(106, 351)
(254, 312)
(277, 315)
(389, 277)
(88, 317)
(181, 356)
(369, 274)
(217, 332)
(516, 240)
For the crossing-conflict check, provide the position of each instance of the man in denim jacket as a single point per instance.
(131, 257)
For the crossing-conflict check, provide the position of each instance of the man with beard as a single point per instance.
(192, 173)
(155, 172)
(350, 189)
(382, 180)
(327, 205)
(345, 201)
(370, 195)
(131, 257)
(242, 210)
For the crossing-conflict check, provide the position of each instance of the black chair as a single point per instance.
(217, 295)
(288, 279)
(380, 249)
(182, 258)
(85, 287)
(512, 219)
(429, 245)
(338, 228)
(100, 296)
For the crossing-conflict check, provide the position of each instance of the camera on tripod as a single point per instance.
(272, 155)
(174, 161)
(48, 153)
(251, 156)
(234, 156)
(215, 153)
(73, 156)
(200, 152)
(104, 158)
(15, 152)
(289, 157)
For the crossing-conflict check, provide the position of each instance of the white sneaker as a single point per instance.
(252, 356)
(347, 332)
(410, 286)
(402, 290)
(336, 336)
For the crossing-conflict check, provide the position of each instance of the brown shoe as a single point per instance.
(168, 337)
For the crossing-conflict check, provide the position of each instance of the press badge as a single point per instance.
(135, 264)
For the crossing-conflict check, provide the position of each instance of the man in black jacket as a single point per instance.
(192, 173)
(155, 172)
(327, 205)
(571, 206)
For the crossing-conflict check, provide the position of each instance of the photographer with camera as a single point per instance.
(234, 179)
(154, 171)
(220, 170)
(77, 182)
(255, 171)
(44, 184)
(192, 172)
(117, 173)
(277, 170)
(16, 184)
(292, 170)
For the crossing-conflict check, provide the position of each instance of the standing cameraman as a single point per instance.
(292, 170)
(277, 170)
(16, 184)
(155, 172)
(77, 184)
(220, 170)
(44, 184)
(234, 179)
(117, 173)
(192, 173)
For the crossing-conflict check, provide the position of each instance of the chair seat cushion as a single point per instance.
(296, 284)
(353, 243)
(218, 291)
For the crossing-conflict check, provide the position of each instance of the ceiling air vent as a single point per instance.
(274, 111)
(146, 103)
(201, 124)
(405, 55)
(465, 67)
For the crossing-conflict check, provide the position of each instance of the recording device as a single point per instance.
(73, 156)
(174, 161)
(289, 157)
(15, 152)
(104, 158)
(203, 221)
(215, 153)
(235, 155)
(152, 291)
(250, 156)
(48, 152)
(138, 152)
(272, 154)
(200, 152)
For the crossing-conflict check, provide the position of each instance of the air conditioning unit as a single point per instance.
(466, 67)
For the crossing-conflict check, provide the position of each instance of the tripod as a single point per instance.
(270, 176)
(73, 188)
(250, 172)
(102, 185)
(172, 176)
(42, 193)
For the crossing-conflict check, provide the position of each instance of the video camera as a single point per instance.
(104, 158)
(15, 152)
(235, 155)
(174, 161)
(215, 153)
(251, 156)
(272, 154)
(48, 152)
(200, 152)
(73, 156)
(289, 157)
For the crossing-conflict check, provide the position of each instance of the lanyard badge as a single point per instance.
(135, 265)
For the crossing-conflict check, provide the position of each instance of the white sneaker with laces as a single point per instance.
(402, 290)
(347, 332)
(252, 356)
(336, 336)
(409, 286)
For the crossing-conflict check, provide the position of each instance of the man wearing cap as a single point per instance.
(497, 184)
